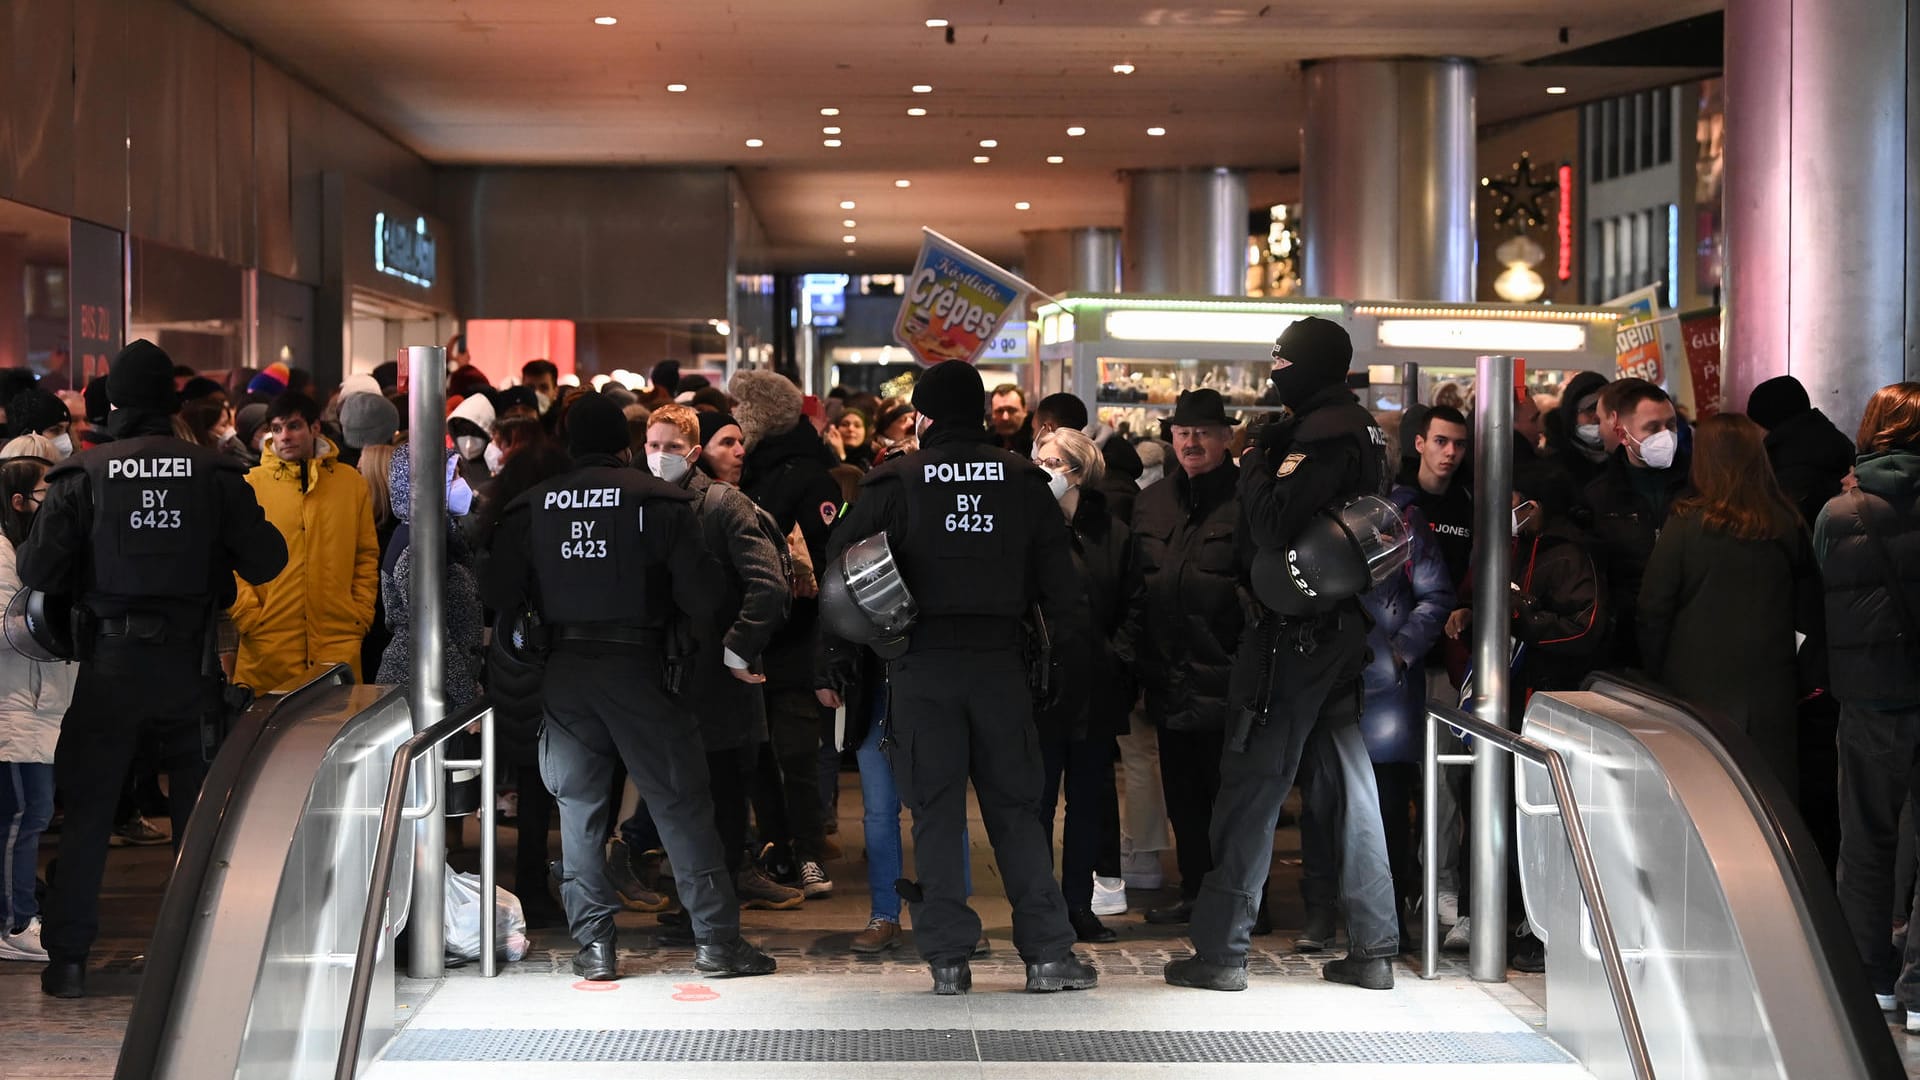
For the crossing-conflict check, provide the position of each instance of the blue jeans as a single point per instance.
(26, 806)
(880, 799)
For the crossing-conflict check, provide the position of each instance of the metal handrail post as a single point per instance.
(490, 907)
(1430, 863)
(1492, 656)
(426, 692)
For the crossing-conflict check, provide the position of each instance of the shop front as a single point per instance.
(388, 280)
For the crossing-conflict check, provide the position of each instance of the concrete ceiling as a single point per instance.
(537, 82)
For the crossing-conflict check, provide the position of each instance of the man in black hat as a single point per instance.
(977, 538)
(1184, 623)
(610, 556)
(1295, 673)
(145, 533)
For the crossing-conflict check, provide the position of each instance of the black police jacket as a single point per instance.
(1329, 451)
(603, 545)
(978, 540)
(1185, 604)
(150, 523)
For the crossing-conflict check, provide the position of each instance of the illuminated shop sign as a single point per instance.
(404, 249)
(1566, 223)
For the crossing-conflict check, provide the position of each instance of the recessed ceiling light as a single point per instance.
(829, 142)
(1556, 89)
(935, 24)
(847, 205)
(1023, 206)
(1156, 131)
(848, 224)
(849, 239)
(676, 88)
(903, 183)
(1076, 132)
(1055, 159)
(829, 131)
(981, 159)
(604, 20)
(756, 143)
(916, 112)
(988, 144)
(850, 251)
(1123, 69)
(829, 112)
(922, 88)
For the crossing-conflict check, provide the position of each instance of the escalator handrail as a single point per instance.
(173, 926)
(1794, 848)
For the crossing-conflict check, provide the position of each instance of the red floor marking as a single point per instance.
(693, 992)
(595, 987)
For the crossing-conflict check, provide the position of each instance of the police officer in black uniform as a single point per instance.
(609, 556)
(976, 535)
(145, 534)
(1298, 669)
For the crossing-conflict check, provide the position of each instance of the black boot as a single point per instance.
(1178, 913)
(1319, 932)
(1088, 927)
(1375, 973)
(954, 978)
(1070, 973)
(1201, 975)
(64, 979)
(736, 957)
(597, 961)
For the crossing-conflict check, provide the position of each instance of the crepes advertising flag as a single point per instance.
(955, 302)
(1700, 333)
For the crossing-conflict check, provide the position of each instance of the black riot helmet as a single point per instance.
(39, 626)
(864, 600)
(1340, 553)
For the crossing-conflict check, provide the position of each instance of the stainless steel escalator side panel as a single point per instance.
(264, 989)
(1713, 934)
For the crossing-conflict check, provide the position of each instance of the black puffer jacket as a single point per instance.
(787, 474)
(1575, 459)
(1103, 548)
(1185, 605)
(1810, 457)
(1874, 665)
(1626, 509)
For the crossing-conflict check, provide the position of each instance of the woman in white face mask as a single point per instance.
(1080, 750)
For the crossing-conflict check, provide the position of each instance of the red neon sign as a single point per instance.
(1566, 223)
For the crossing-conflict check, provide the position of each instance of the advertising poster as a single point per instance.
(1700, 336)
(955, 302)
(96, 302)
(1637, 337)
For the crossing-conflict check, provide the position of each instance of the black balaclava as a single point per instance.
(1317, 352)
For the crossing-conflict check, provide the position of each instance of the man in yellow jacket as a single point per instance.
(319, 608)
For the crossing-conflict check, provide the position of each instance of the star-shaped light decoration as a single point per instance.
(1516, 199)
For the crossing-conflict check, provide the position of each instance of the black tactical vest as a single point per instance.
(967, 540)
(1346, 419)
(156, 515)
(601, 537)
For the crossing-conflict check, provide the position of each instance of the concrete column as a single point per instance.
(1387, 180)
(1073, 260)
(1186, 233)
(1820, 175)
(13, 300)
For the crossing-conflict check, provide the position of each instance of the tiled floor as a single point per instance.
(823, 987)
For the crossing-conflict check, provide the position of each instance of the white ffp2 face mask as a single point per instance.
(494, 458)
(1658, 449)
(1151, 476)
(1057, 483)
(672, 468)
(63, 445)
(1588, 434)
(470, 446)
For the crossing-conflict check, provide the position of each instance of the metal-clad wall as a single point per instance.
(143, 116)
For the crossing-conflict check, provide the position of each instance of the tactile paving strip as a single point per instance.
(1225, 1047)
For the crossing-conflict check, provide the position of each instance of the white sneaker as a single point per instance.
(1913, 1022)
(1886, 1002)
(1141, 870)
(1109, 895)
(1449, 905)
(24, 945)
(1460, 938)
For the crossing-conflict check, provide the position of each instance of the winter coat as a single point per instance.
(1560, 612)
(1810, 457)
(1186, 606)
(1580, 463)
(320, 607)
(33, 696)
(459, 603)
(732, 713)
(1102, 547)
(1407, 614)
(1874, 664)
(1717, 617)
(787, 475)
(1625, 523)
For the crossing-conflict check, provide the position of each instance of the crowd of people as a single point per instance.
(1764, 567)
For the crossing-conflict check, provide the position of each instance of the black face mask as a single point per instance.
(1295, 383)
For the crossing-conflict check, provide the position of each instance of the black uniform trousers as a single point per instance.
(730, 776)
(132, 697)
(960, 714)
(1879, 772)
(1308, 691)
(1344, 843)
(604, 704)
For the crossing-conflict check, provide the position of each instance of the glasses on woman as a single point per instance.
(1054, 463)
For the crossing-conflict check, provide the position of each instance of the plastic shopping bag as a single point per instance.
(465, 910)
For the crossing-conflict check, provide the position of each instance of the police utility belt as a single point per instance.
(609, 634)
